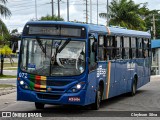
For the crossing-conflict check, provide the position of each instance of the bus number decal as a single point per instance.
(131, 66)
(22, 75)
(101, 71)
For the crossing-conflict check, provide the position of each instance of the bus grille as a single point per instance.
(57, 83)
(48, 96)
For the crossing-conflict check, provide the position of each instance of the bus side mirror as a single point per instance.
(94, 46)
(14, 48)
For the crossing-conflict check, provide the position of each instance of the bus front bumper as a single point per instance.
(52, 98)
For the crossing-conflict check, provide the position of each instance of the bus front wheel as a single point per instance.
(39, 105)
(96, 105)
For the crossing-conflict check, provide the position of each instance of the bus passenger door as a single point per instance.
(92, 78)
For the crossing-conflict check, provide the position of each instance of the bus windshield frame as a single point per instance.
(53, 57)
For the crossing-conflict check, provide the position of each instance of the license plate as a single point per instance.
(74, 99)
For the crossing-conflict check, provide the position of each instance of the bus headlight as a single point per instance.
(21, 82)
(76, 87)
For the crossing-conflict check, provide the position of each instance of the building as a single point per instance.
(155, 45)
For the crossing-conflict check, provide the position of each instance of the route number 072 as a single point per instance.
(22, 75)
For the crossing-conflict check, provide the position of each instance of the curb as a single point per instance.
(8, 79)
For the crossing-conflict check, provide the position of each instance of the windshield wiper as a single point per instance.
(64, 45)
(41, 46)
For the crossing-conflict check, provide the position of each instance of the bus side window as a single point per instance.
(145, 48)
(109, 45)
(149, 48)
(139, 48)
(133, 47)
(92, 55)
(126, 47)
(118, 48)
(101, 48)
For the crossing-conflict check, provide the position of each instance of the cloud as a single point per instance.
(152, 4)
(23, 11)
(18, 21)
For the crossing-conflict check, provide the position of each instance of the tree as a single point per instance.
(5, 50)
(126, 13)
(149, 22)
(4, 12)
(4, 33)
(50, 18)
(14, 31)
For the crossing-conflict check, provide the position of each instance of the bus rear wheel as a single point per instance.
(39, 105)
(134, 87)
(96, 105)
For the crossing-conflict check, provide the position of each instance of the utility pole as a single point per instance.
(52, 5)
(68, 10)
(90, 11)
(86, 11)
(36, 9)
(58, 8)
(107, 13)
(154, 28)
(97, 12)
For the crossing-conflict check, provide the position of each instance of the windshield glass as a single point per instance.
(53, 57)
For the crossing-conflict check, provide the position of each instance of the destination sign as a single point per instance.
(57, 31)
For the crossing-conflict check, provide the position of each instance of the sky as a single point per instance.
(24, 10)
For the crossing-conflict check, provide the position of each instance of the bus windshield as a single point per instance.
(50, 57)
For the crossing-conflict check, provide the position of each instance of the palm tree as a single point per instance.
(125, 13)
(4, 12)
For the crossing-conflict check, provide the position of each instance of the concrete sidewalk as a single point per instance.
(155, 77)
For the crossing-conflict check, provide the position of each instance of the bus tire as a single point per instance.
(134, 87)
(39, 105)
(96, 105)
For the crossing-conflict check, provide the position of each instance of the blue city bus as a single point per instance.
(70, 63)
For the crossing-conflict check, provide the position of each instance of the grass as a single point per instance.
(10, 68)
(9, 65)
(7, 76)
(6, 85)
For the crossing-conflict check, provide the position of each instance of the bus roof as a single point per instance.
(99, 28)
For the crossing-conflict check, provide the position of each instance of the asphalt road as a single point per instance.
(11, 81)
(146, 99)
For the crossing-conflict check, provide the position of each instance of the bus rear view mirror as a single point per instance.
(14, 47)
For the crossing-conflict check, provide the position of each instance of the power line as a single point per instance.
(28, 7)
